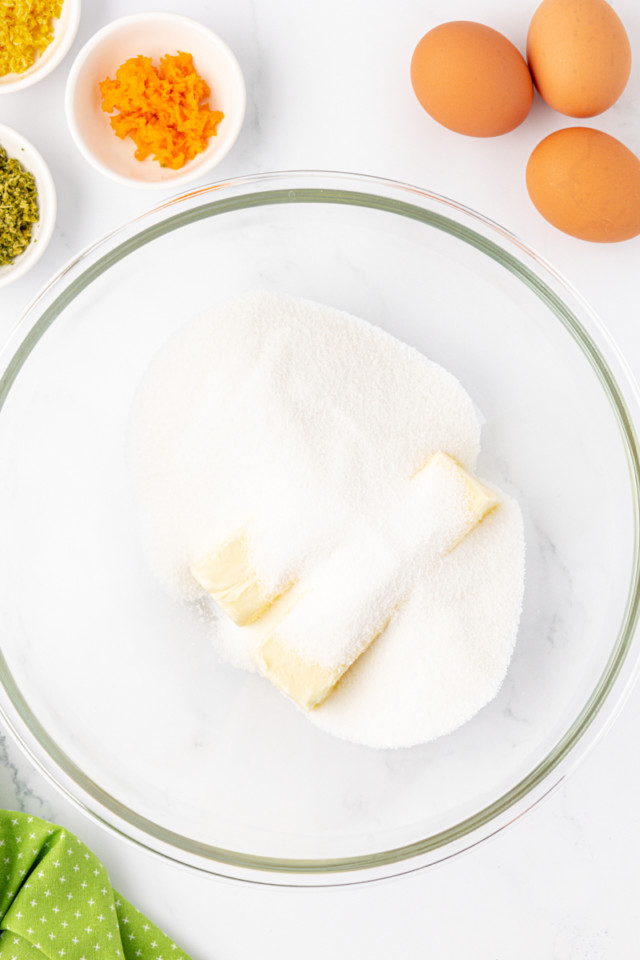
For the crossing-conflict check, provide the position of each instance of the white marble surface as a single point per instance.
(328, 88)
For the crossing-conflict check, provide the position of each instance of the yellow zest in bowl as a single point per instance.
(26, 30)
(162, 110)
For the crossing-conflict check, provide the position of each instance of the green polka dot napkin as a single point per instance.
(56, 901)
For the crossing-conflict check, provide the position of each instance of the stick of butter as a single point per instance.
(443, 478)
(352, 596)
(307, 683)
(228, 575)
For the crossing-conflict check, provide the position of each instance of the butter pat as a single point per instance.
(307, 683)
(228, 575)
(351, 597)
(475, 499)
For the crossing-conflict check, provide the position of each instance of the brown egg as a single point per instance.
(587, 184)
(471, 79)
(579, 55)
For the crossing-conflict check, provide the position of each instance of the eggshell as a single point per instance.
(471, 79)
(587, 184)
(579, 55)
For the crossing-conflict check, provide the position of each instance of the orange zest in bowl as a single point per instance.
(161, 109)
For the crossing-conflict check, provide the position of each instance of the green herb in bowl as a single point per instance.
(18, 208)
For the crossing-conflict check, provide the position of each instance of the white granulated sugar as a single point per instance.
(445, 653)
(305, 426)
(350, 595)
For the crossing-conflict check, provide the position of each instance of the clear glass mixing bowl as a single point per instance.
(113, 689)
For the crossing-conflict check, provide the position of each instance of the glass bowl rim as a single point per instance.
(537, 784)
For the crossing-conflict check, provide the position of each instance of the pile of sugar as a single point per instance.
(351, 595)
(302, 423)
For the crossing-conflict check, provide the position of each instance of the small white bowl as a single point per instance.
(65, 29)
(19, 147)
(152, 35)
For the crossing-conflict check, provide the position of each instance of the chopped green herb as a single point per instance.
(18, 208)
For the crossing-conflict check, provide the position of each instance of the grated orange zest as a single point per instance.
(161, 109)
